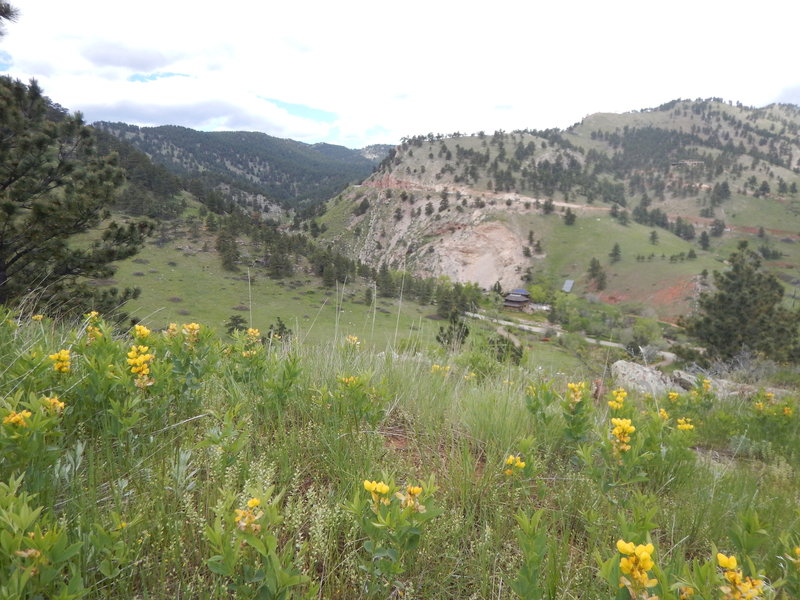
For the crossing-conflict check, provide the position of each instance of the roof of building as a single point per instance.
(568, 285)
(516, 298)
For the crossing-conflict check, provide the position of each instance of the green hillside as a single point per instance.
(253, 168)
(701, 174)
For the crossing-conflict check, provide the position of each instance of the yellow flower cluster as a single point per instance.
(470, 376)
(444, 371)
(379, 491)
(740, 588)
(55, 404)
(514, 464)
(17, 418)
(246, 518)
(663, 414)
(37, 317)
(636, 563)
(411, 498)
(140, 331)
(576, 391)
(706, 385)
(348, 381)
(619, 399)
(252, 343)
(61, 361)
(171, 330)
(352, 340)
(139, 359)
(686, 593)
(621, 435)
(192, 332)
(673, 396)
(685, 424)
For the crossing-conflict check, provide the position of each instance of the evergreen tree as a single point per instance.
(615, 254)
(745, 312)
(705, 241)
(569, 217)
(54, 186)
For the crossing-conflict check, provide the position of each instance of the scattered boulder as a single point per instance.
(645, 380)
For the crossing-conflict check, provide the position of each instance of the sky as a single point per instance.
(357, 73)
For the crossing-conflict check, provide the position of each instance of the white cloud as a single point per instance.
(388, 70)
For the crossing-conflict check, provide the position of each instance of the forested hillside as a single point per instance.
(254, 168)
(657, 196)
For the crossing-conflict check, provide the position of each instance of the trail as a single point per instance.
(667, 358)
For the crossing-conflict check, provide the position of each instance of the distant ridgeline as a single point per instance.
(254, 169)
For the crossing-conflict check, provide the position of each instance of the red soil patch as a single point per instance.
(674, 294)
(613, 298)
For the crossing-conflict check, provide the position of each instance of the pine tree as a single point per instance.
(53, 186)
(745, 312)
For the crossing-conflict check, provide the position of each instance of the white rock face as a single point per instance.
(644, 380)
(485, 254)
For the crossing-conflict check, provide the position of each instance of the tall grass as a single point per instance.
(142, 476)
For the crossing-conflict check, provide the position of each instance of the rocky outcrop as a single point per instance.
(636, 377)
(647, 380)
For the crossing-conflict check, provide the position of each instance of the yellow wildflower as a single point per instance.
(348, 381)
(440, 369)
(139, 359)
(619, 399)
(61, 361)
(576, 391)
(621, 435)
(673, 396)
(514, 464)
(17, 418)
(191, 331)
(759, 406)
(93, 332)
(726, 562)
(706, 385)
(788, 411)
(740, 587)
(663, 414)
(686, 592)
(140, 331)
(246, 520)
(352, 340)
(171, 330)
(378, 490)
(635, 564)
(411, 498)
(37, 317)
(685, 424)
(470, 376)
(253, 503)
(55, 404)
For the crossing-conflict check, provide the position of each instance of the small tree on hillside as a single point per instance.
(745, 312)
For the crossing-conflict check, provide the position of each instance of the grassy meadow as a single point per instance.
(185, 464)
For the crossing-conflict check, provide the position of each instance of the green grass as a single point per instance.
(182, 282)
(143, 482)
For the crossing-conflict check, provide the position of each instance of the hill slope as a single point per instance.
(700, 174)
(252, 166)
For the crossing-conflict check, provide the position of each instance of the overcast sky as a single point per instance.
(356, 73)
